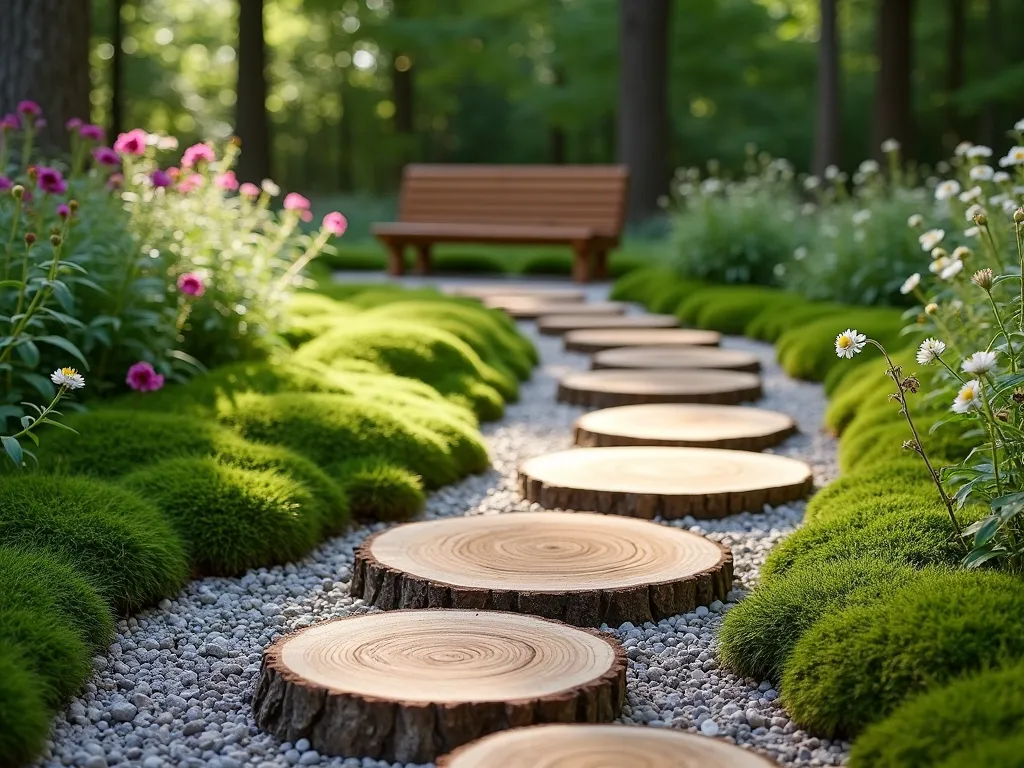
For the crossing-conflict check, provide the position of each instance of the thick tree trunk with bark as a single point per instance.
(116, 118)
(643, 101)
(892, 85)
(251, 122)
(44, 56)
(829, 129)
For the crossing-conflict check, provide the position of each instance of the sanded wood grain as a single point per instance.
(676, 358)
(590, 341)
(530, 308)
(556, 325)
(633, 386)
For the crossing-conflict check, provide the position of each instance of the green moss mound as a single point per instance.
(429, 354)
(963, 718)
(904, 481)
(547, 264)
(51, 649)
(808, 351)
(939, 626)
(380, 490)
(231, 519)
(33, 580)
(999, 752)
(730, 310)
(759, 634)
(24, 718)
(636, 285)
(882, 443)
(468, 264)
(769, 324)
(116, 539)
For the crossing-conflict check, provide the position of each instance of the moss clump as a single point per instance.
(936, 628)
(33, 580)
(873, 445)
(231, 519)
(726, 308)
(998, 752)
(24, 719)
(808, 351)
(51, 649)
(638, 284)
(116, 539)
(967, 715)
(380, 490)
(905, 483)
(769, 323)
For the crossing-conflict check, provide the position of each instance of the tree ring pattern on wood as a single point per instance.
(589, 341)
(610, 387)
(556, 325)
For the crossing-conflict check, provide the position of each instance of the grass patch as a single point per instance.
(50, 648)
(24, 718)
(380, 490)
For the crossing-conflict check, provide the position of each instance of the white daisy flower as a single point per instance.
(1014, 157)
(980, 363)
(929, 351)
(947, 189)
(951, 270)
(812, 182)
(1019, 125)
(1000, 177)
(979, 150)
(971, 194)
(973, 211)
(916, 221)
(849, 343)
(938, 265)
(982, 173)
(832, 172)
(910, 283)
(861, 217)
(868, 167)
(972, 231)
(962, 148)
(890, 145)
(968, 398)
(940, 253)
(931, 238)
(68, 378)
(962, 252)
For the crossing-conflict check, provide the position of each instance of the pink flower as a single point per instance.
(50, 180)
(335, 223)
(5, 184)
(191, 284)
(143, 378)
(9, 122)
(131, 143)
(293, 201)
(29, 109)
(63, 211)
(115, 181)
(226, 181)
(249, 190)
(190, 183)
(174, 171)
(40, 123)
(160, 178)
(73, 124)
(92, 132)
(197, 153)
(106, 156)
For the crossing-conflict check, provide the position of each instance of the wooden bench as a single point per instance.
(580, 206)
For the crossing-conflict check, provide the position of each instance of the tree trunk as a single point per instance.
(643, 101)
(990, 119)
(44, 57)
(829, 132)
(892, 85)
(346, 165)
(251, 123)
(956, 40)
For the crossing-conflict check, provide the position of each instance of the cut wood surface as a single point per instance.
(407, 686)
(631, 386)
(583, 569)
(600, 746)
(670, 424)
(484, 291)
(530, 308)
(642, 481)
(590, 341)
(556, 325)
(676, 357)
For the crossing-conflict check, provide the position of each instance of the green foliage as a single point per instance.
(808, 351)
(759, 634)
(968, 719)
(896, 480)
(230, 519)
(640, 284)
(559, 263)
(381, 490)
(50, 647)
(116, 539)
(732, 313)
(770, 323)
(939, 626)
(867, 445)
(24, 718)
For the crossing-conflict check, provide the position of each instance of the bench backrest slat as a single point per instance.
(584, 195)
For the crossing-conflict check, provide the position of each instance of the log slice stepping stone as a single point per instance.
(594, 340)
(632, 386)
(586, 570)
(676, 357)
(697, 426)
(485, 291)
(556, 325)
(407, 686)
(528, 308)
(646, 481)
(600, 746)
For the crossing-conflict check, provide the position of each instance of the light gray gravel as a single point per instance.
(175, 687)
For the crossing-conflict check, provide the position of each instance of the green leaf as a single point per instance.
(978, 557)
(10, 283)
(67, 346)
(40, 384)
(64, 318)
(13, 449)
(59, 425)
(28, 352)
(985, 532)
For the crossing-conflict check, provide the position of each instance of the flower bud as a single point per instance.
(17, 191)
(1002, 414)
(940, 253)
(55, 240)
(981, 220)
(30, 237)
(931, 309)
(236, 141)
(73, 205)
(1018, 216)
(1018, 395)
(983, 279)
(32, 172)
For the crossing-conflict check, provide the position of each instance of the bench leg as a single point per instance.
(423, 258)
(581, 262)
(601, 264)
(396, 257)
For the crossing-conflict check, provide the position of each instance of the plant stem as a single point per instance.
(14, 231)
(1020, 258)
(1002, 328)
(35, 422)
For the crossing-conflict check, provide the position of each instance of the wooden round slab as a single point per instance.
(529, 308)
(600, 746)
(676, 357)
(630, 386)
(594, 340)
(484, 291)
(407, 686)
(586, 570)
(556, 325)
(696, 426)
(643, 481)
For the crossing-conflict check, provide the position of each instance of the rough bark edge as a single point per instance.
(546, 330)
(754, 366)
(585, 438)
(670, 507)
(593, 398)
(391, 589)
(591, 348)
(352, 725)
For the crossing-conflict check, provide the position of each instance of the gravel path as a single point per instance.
(174, 689)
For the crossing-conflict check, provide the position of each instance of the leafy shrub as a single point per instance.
(32, 580)
(965, 718)
(117, 540)
(759, 634)
(231, 519)
(24, 719)
(51, 649)
(381, 490)
(468, 264)
(919, 637)
(547, 264)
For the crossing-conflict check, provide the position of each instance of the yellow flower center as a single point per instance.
(845, 342)
(69, 371)
(967, 394)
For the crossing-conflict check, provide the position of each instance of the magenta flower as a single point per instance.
(249, 190)
(73, 124)
(143, 378)
(5, 184)
(50, 180)
(226, 181)
(92, 132)
(131, 143)
(293, 201)
(191, 284)
(335, 223)
(9, 122)
(106, 156)
(63, 211)
(190, 183)
(160, 178)
(29, 109)
(197, 153)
